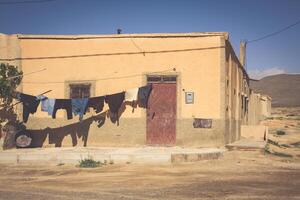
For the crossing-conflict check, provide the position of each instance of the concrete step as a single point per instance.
(246, 144)
(161, 155)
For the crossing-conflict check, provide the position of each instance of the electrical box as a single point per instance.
(189, 97)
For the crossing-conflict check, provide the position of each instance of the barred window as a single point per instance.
(80, 91)
(161, 78)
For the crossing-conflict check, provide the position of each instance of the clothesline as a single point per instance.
(78, 106)
(21, 102)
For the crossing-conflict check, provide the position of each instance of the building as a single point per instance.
(200, 93)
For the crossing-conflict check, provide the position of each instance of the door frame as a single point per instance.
(171, 78)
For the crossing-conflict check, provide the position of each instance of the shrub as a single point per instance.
(89, 163)
(280, 132)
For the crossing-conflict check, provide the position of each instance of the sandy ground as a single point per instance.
(238, 175)
(286, 120)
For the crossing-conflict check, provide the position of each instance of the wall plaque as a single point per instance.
(189, 97)
(202, 123)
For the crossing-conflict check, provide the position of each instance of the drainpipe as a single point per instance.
(243, 53)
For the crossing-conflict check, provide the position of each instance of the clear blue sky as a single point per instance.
(242, 19)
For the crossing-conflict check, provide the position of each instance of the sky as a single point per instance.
(244, 20)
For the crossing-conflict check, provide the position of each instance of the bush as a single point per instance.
(280, 132)
(89, 163)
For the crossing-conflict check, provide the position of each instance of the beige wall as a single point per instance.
(266, 106)
(198, 70)
(205, 64)
(259, 108)
(236, 86)
(196, 58)
(255, 132)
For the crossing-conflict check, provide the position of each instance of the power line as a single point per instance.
(25, 2)
(137, 46)
(103, 79)
(111, 54)
(11, 77)
(274, 33)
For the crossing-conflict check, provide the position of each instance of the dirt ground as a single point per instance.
(284, 132)
(238, 175)
(257, 174)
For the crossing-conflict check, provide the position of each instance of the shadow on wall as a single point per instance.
(79, 130)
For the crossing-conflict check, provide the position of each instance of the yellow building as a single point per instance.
(200, 90)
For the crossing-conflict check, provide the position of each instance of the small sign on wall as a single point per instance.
(202, 123)
(189, 97)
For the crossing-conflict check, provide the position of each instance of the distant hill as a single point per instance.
(283, 88)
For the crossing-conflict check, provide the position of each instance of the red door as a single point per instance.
(161, 114)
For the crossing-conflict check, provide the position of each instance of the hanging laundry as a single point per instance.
(48, 105)
(97, 103)
(114, 102)
(41, 97)
(79, 107)
(143, 96)
(30, 105)
(131, 95)
(63, 104)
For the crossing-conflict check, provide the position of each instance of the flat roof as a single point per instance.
(134, 35)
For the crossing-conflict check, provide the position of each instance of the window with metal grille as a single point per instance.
(165, 79)
(80, 91)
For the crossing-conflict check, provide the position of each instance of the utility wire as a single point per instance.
(11, 77)
(111, 54)
(103, 79)
(274, 33)
(137, 46)
(25, 2)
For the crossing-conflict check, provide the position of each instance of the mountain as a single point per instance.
(284, 89)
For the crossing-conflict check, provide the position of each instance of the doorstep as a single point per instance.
(247, 144)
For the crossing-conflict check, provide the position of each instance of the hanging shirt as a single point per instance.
(115, 101)
(131, 95)
(143, 95)
(79, 107)
(48, 105)
(30, 104)
(97, 103)
(63, 104)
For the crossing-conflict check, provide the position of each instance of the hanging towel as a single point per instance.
(79, 107)
(30, 104)
(48, 105)
(97, 103)
(143, 96)
(131, 95)
(63, 104)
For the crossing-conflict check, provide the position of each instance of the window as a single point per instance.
(80, 91)
(164, 79)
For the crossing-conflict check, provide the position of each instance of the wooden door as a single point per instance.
(161, 114)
